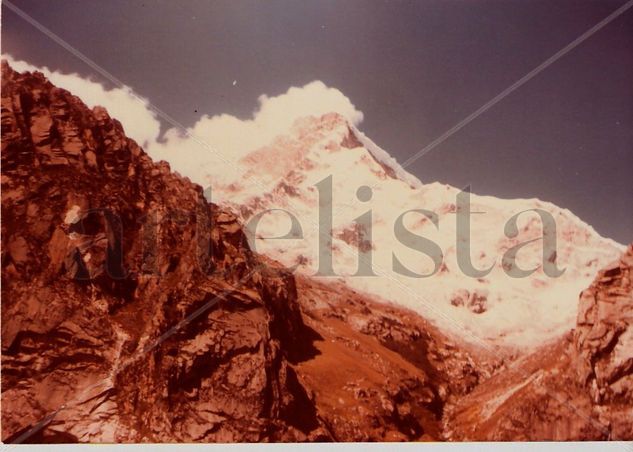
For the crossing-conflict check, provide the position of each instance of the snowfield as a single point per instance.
(494, 309)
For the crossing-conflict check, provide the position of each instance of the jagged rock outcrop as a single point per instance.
(132, 309)
(603, 341)
(576, 388)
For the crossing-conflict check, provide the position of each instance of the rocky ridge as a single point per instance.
(103, 253)
(577, 388)
(134, 311)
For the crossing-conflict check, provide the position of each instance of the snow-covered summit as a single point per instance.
(492, 309)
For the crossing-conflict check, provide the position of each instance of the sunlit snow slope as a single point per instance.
(495, 309)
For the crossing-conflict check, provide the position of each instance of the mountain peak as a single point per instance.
(287, 172)
(335, 125)
(325, 123)
(134, 310)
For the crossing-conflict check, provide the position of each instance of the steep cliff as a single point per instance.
(576, 388)
(131, 308)
(134, 310)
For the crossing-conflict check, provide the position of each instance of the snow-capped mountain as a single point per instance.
(489, 309)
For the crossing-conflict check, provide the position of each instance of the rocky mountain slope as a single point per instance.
(105, 256)
(486, 307)
(134, 310)
(579, 387)
(381, 372)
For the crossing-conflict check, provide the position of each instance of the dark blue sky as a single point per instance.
(414, 68)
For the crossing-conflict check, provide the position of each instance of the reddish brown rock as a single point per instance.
(104, 252)
(381, 372)
(134, 311)
(476, 301)
(577, 388)
(603, 341)
(356, 236)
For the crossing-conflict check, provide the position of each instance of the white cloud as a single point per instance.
(214, 140)
(139, 122)
(205, 148)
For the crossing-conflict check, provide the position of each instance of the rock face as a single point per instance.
(131, 308)
(603, 341)
(381, 372)
(134, 311)
(577, 388)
